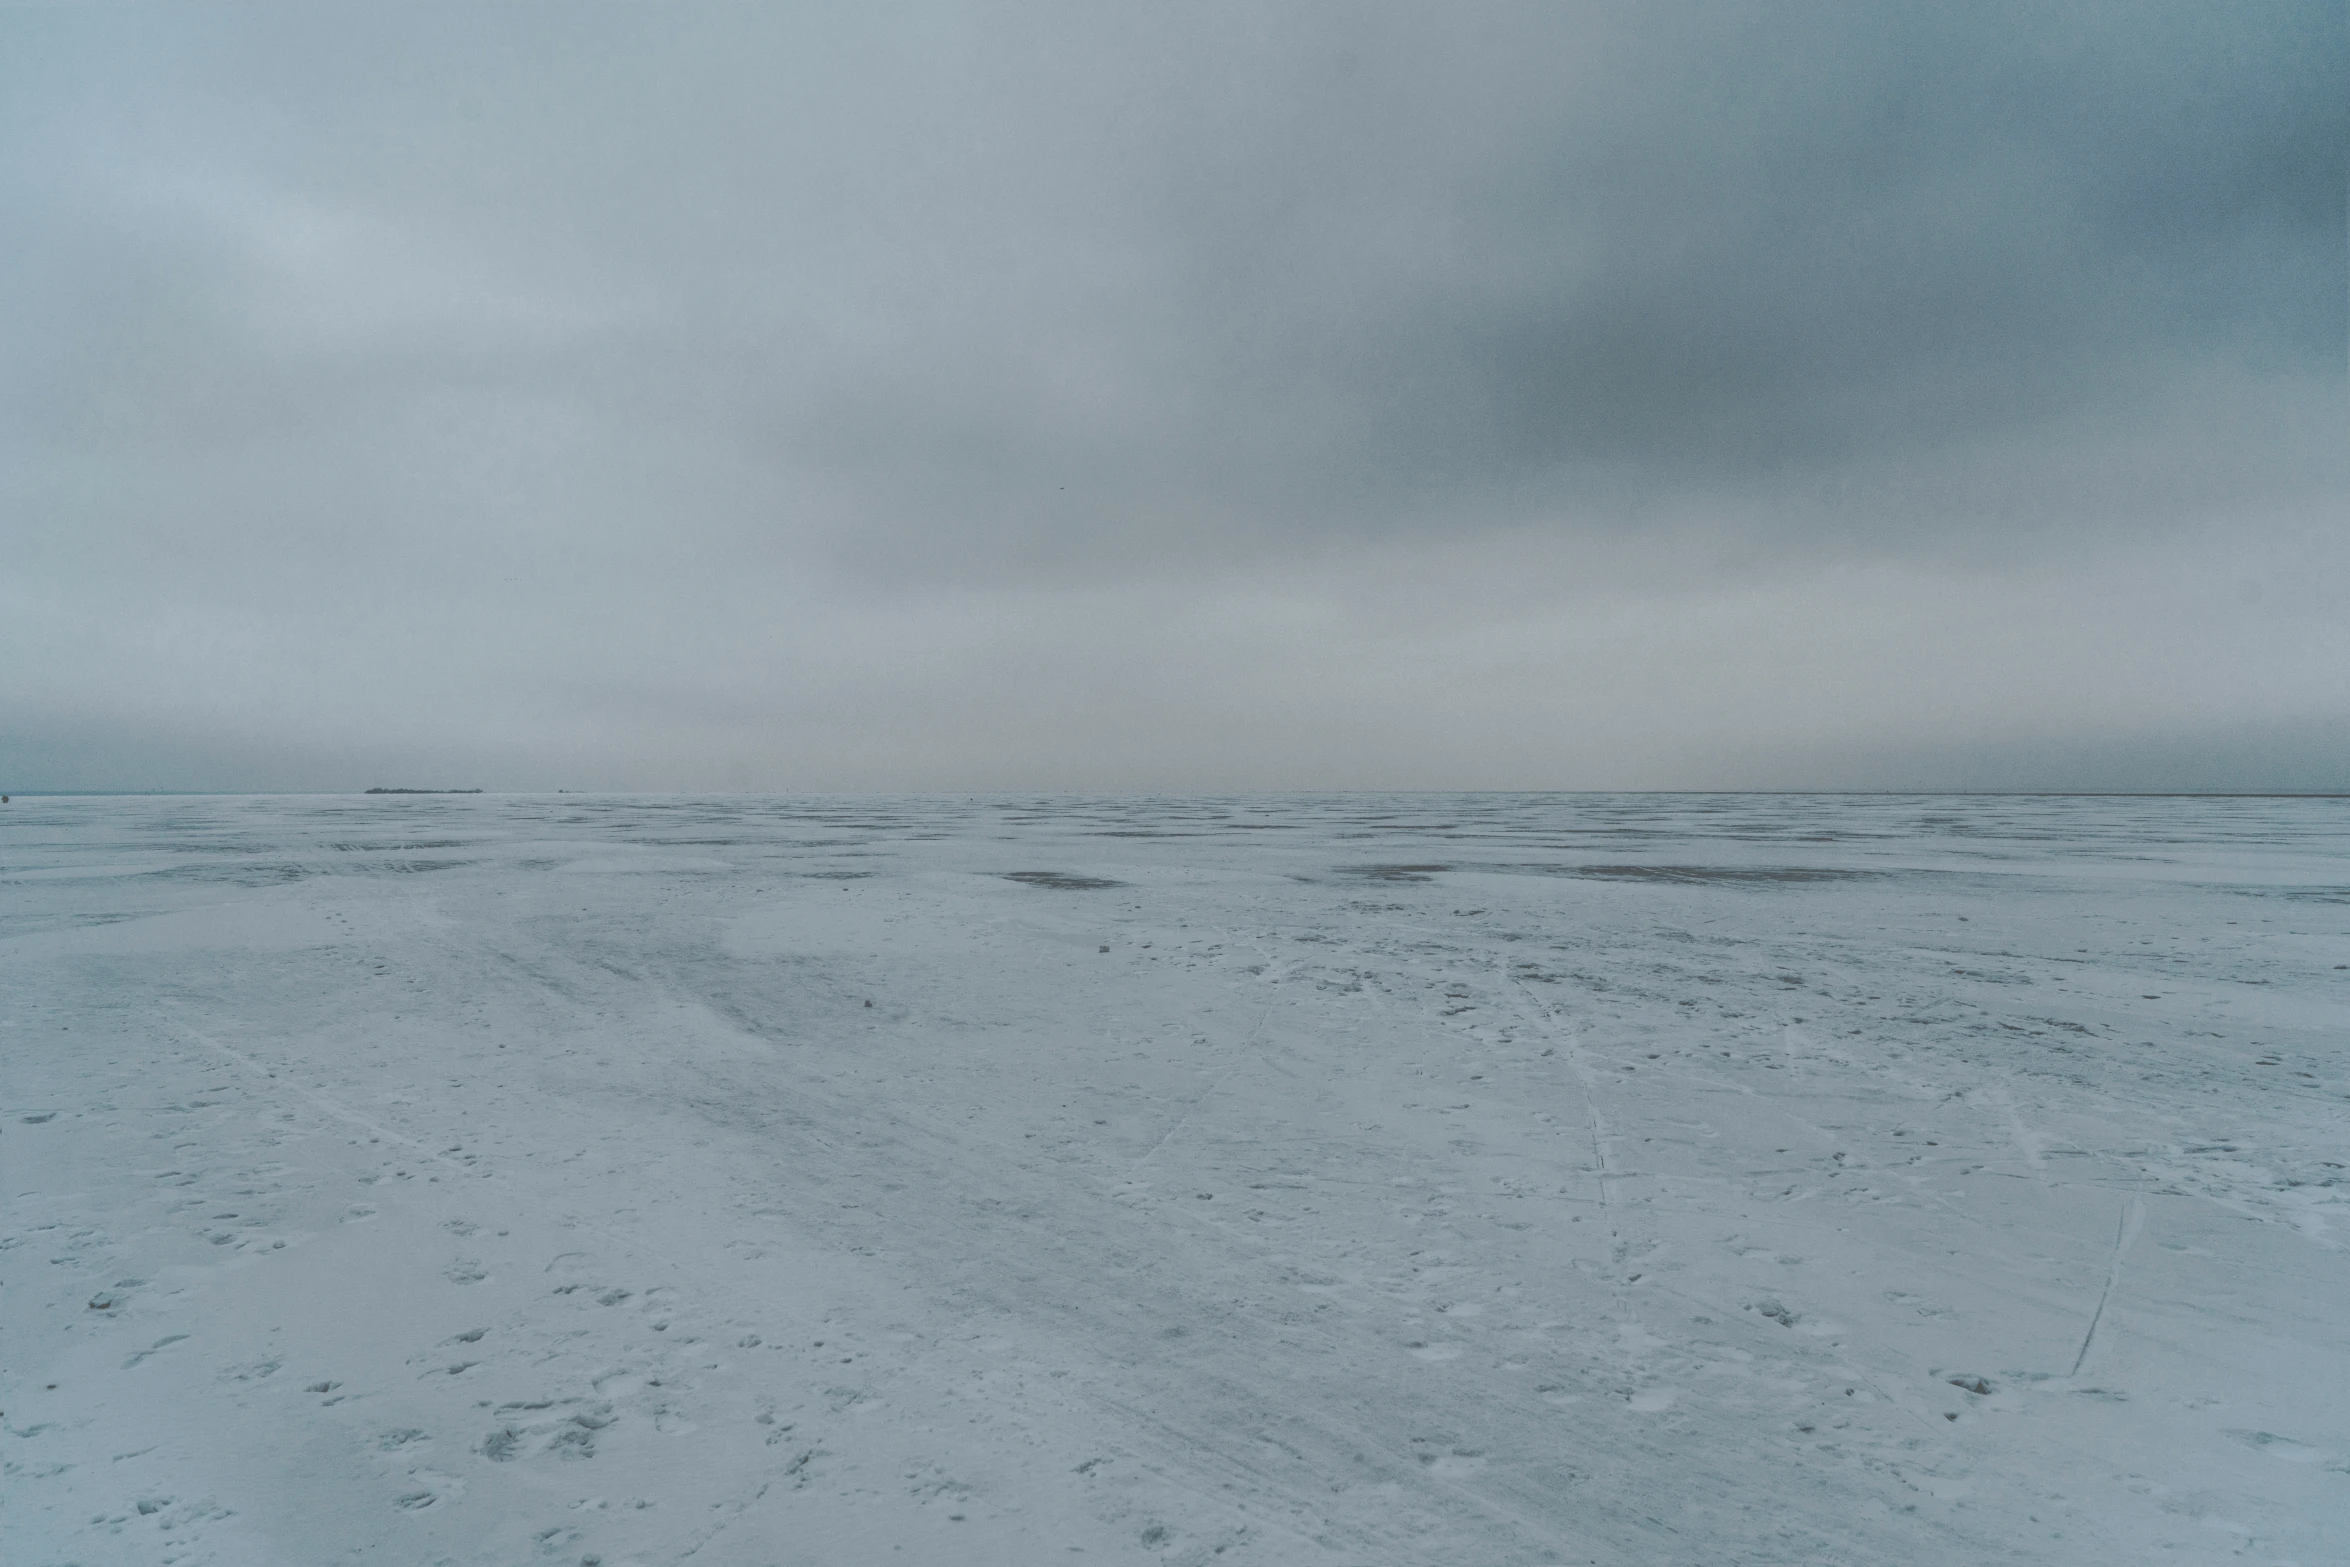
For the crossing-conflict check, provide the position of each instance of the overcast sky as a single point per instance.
(1170, 397)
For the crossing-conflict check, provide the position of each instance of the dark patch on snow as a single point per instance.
(1728, 875)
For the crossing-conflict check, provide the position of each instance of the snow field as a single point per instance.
(1349, 1179)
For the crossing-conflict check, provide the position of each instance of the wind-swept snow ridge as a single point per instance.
(1347, 1179)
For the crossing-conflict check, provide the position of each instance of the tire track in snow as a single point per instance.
(2133, 1220)
(332, 1107)
(1207, 1093)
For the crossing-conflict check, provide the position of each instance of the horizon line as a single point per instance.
(396, 794)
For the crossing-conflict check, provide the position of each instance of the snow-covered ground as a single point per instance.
(1449, 1180)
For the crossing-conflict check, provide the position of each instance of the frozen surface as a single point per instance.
(1440, 1180)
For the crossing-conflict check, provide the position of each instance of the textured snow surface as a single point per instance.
(1449, 1180)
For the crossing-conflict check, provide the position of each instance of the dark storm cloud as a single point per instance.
(525, 381)
(1892, 228)
(1065, 281)
(1436, 271)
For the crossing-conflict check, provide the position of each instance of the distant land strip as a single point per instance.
(423, 791)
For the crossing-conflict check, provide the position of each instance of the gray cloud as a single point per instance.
(595, 390)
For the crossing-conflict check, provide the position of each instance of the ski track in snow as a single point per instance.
(1347, 1179)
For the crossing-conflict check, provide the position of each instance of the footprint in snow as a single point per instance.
(2275, 1446)
(573, 1442)
(431, 1487)
(1435, 1352)
(159, 1344)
